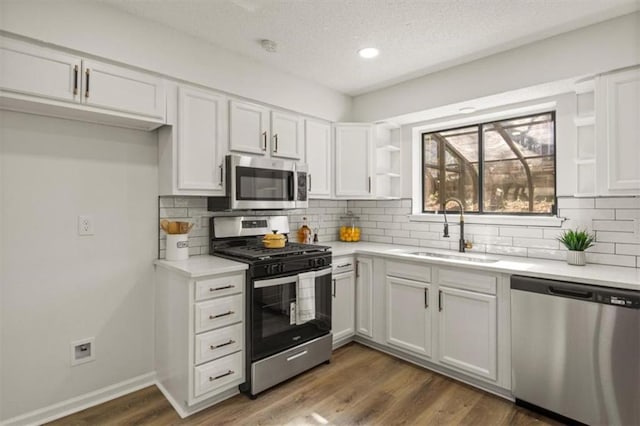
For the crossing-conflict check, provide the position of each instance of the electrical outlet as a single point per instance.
(83, 351)
(85, 225)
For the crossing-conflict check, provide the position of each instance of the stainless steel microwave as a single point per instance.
(262, 184)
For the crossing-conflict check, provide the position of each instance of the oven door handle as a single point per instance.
(276, 281)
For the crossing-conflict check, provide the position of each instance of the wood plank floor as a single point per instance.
(361, 386)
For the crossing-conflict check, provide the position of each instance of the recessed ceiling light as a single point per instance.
(467, 110)
(368, 52)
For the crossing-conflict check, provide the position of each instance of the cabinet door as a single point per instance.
(318, 152)
(286, 135)
(343, 306)
(618, 127)
(120, 89)
(468, 331)
(248, 128)
(409, 315)
(201, 140)
(364, 296)
(354, 160)
(33, 70)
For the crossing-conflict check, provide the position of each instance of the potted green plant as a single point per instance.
(576, 241)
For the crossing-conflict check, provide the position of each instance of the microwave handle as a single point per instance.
(293, 185)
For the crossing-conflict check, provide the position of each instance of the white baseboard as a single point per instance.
(73, 405)
(187, 411)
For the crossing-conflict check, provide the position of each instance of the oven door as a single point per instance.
(258, 183)
(274, 326)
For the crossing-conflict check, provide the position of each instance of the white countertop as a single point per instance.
(198, 266)
(602, 275)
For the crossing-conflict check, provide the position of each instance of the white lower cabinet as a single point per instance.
(468, 331)
(364, 296)
(200, 338)
(343, 296)
(409, 312)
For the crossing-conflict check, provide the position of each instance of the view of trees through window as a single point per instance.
(502, 167)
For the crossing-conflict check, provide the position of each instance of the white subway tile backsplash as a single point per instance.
(613, 225)
(507, 250)
(616, 237)
(519, 231)
(618, 203)
(190, 202)
(173, 212)
(387, 221)
(405, 241)
(398, 233)
(493, 240)
(631, 249)
(381, 239)
(576, 203)
(439, 244)
(586, 214)
(547, 254)
(535, 243)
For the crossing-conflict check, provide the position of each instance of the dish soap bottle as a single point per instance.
(304, 232)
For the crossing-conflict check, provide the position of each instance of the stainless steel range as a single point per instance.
(288, 299)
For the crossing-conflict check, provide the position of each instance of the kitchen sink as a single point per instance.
(461, 257)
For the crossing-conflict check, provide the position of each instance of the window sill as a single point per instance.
(551, 221)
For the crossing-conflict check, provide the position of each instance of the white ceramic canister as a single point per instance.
(177, 246)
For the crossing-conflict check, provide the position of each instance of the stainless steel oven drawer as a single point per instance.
(277, 368)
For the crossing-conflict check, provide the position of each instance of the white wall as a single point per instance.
(57, 287)
(590, 50)
(91, 27)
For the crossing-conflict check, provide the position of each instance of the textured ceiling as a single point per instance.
(318, 39)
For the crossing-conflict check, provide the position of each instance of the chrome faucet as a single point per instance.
(462, 244)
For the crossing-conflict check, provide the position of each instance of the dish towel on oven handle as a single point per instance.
(306, 297)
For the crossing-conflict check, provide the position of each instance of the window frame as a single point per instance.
(480, 126)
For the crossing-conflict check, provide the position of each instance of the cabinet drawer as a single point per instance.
(343, 264)
(219, 312)
(218, 343)
(219, 286)
(470, 280)
(409, 271)
(217, 374)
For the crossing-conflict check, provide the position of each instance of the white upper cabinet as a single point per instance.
(251, 131)
(201, 140)
(248, 128)
(192, 149)
(45, 81)
(354, 160)
(618, 133)
(34, 70)
(286, 135)
(318, 158)
(121, 89)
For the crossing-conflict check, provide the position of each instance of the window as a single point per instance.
(501, 167)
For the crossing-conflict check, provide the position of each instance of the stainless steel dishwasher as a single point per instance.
(576, 350)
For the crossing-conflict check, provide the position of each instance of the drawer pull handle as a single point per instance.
(221, 288)
(221, 315)
(230, 342)
(345, 265)
(292, 357)
(228, 373)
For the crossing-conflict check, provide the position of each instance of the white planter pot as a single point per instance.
(577, 258)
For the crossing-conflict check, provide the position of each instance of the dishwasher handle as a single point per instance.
(578, 294)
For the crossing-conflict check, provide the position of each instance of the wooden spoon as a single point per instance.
(164, 224)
